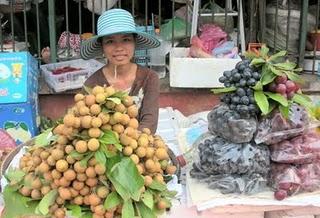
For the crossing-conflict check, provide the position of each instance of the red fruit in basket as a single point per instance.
(291, 86)
(281, 79)
(281, 89)
(280, 194)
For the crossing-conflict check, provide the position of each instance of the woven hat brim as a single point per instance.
(92, 48)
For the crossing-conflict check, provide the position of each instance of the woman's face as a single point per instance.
(118, 49)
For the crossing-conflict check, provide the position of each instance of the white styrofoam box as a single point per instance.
(69, 80)
(187, 72)
(308, 65)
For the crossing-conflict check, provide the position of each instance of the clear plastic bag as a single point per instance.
(275, 128)
(302, 149)
(290, 179)
(231, 167)
(230, 125)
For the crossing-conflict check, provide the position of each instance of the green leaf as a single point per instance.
(223, 90)
(47, 201)
(147, 199)
(294, 77)
(87, 89)
(119, 94)
(275, 71)
(284, 111)
(258, 86)
(118, 146)
(9, 125)
(278, 98)
(45, 138)
(167, 202)
(15, 175)
(264, 51)
(169, 194)
(262, 101)
(115, 100)
(85, 160)
(144, 211)
(127, 209)
(76, 154)
(108, 137)
(303, 101)
(16, 204)
(286, 65)
(74, 210)
(267, 78)
(124, 193)
(100, 157)
(155, 185)
(112, 161)
(250, 55)
(277, 55)
(24, 126)
(113, 199)
(109, 154)
(257, 61)
(126, 174)
(106, 110)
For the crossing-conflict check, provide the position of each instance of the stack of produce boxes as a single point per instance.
(19, 95)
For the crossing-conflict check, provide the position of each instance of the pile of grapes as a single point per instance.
(242, 101)
(283, 86)
(242, 77)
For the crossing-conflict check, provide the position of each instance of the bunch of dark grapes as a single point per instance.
(242, 101)
(242, 76)
(284, 87)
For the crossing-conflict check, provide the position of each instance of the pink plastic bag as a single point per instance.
(289, 179)
(302, 149)
(197, 49)
(212, 36)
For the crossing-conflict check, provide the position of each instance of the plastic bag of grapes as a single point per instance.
(231, 167)
(289, 179)
(216, 155)
(275, 128)
(302, 149)
(230, 125)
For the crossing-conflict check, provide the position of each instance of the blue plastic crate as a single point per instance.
(143, 56)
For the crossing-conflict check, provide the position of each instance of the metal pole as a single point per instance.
(38, 30)
(303, 30)
(12, 26)
(25, 24)
(275, 27)
(67, 28)
(52, 32)
(172, 31)
(92, 17)
(1, 40)
(288, 26)
(316, 41)
(80, 22)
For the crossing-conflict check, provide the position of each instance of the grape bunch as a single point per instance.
(242, 76)
(242, 101)
(281, 84)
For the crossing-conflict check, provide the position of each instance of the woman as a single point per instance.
(117, 40)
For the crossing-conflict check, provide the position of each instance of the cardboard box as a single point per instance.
(18, 77)
(186, 72)
(20, 120)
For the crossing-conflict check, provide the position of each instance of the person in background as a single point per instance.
(116, 41)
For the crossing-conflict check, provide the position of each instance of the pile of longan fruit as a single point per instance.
(54, 167)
